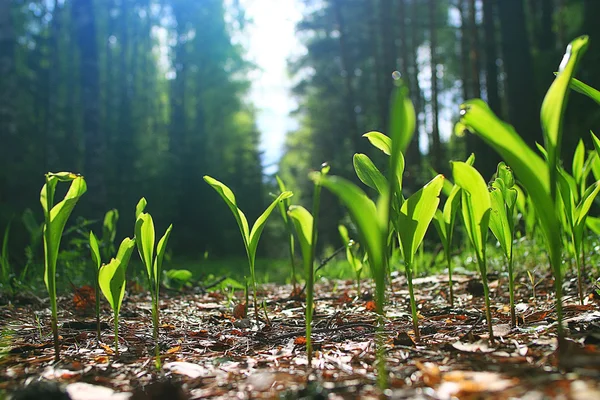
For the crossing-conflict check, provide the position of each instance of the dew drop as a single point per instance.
(396, 75)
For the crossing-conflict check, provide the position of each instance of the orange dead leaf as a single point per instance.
(344, 299)
(431, 373)
(84, 297)
(300, 341)
(174, 350)
(107, 349)
(371, 306)
(239, 311)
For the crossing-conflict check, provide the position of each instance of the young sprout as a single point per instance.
(145, 241)
(539, 177)
(249, 236)
(283, 207)
(476, 208)
(111, 278)
(503, 196)
(95, 250)
(55, 217)
(444, 221)
(354, 261)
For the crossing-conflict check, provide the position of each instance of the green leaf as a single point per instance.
(368, 173)
(594, 224)
(380, 141)
(144, 238)
(476, 203)
(95, 250)
(303, 221)
(111, 276)
(259, 225)
(179, 275)
(369, 220)
(440, 226)
(555, 101)
(499, 223)
(578, 161)
(585, 89)
(416, 215)
(140, 207)
(109, 231)
(528, 167)
(586, 203)
(58, 216)
(402, 120)
(229, 198)
(160, 253)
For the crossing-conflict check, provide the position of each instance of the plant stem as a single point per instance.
(511, 290)
(413, 303)
(310, 273)
(578, 267)
(382, 382)
(486, 294)
(450, 282)
(116, 334)
(293, 261)
(97, 308)
(254, 290)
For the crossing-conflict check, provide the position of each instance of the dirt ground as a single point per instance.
(211, 350)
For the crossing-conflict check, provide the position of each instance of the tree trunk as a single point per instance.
(388, 58)
(358, 142)
(408, 71)
(523, 104)
(8, 91)
(435, 152)
(94, 138)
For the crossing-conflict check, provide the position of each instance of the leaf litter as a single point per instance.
(210, 349)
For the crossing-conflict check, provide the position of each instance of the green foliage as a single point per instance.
(351, 250)
(503, 196)
(5, 269)
(250, 237)
(284, 205)
(152, 260)
(444, 221)
(177, 278)
(476, 209)
(304, 221)
(95, 251)
(111, 278)
(56, 216)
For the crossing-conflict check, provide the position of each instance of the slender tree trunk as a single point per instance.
(8, 92)
(467, 85)
(474, 49)
(94, 138)
(523, 104)
(52, 96)
(435, 153)
(378, 80)
(408, 71)
(357, 142)
(388, 57)
(417, 96)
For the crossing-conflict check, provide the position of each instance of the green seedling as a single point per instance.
(145, 241)
(503, 196)
(303, 221)
(177, 278)
(353, 259)
(109, 233)
(412, 222)
(250, 237)
(539, 177)
(373, 222)
(95, 251)
(284, 205)
(444, 221)
(476, 209)
(55, 217)
(111, 278)
(576, 209)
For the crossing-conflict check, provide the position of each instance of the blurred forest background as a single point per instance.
(144, 97)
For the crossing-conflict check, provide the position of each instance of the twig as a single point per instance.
(324, 330)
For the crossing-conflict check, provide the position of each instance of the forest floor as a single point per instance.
(209, 350)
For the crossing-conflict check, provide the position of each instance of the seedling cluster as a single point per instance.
(536, 185)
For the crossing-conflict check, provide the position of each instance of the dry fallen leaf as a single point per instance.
(240, 311)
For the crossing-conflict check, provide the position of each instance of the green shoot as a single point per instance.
(55, 217)
(476, 208)
(444, 221)
(145, 241)
(503, 196)
(250, 237)
(354, 261)
(303, 221)
(283, 207)
(111, 278)
(95, 250)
